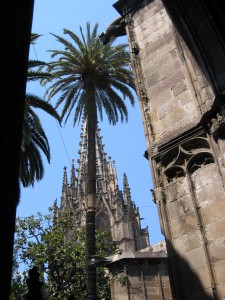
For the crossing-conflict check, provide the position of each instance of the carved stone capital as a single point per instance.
(217, 126)
(153, 150)
(157, 196)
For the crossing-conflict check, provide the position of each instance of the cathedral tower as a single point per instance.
(115, 210)
(138, 270)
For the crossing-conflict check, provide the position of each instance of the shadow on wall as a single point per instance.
(185, 283)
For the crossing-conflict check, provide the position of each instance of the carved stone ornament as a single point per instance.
(217, 126)
(114, 30)
(185, 158)
(157, 195)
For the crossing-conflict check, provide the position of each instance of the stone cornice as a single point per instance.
(138, 255)
(127, 6)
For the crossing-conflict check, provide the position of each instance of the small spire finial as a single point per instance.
(126, 189)
(72, 175)
(64, 177)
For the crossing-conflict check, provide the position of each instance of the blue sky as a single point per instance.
(125, 142)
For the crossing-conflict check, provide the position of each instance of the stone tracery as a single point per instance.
(186, 158)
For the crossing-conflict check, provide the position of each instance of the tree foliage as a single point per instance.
(34, 140)
(57, 247)
(85, 71)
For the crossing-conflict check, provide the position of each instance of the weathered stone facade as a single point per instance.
(178, 59)
(140, 276)
(159, 247)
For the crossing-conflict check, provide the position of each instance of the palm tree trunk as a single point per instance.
(90, 197)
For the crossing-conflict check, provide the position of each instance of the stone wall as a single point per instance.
(184, 124)
(159, 247)
(139, 276)
(173, 90)
(191, 205)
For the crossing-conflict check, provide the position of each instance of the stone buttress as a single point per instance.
(178, 58)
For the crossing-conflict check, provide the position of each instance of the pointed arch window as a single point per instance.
(103, 221)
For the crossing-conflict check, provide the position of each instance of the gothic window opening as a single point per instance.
(103, 221)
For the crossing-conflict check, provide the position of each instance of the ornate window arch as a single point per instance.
(103, 221)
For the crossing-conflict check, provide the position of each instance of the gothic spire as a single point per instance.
(101, 161)
(64, 189)
(72, 175)
(126, 190)
(115, 174)
(65, 183)
(114, 207)
(82, 161)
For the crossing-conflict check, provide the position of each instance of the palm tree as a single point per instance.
(34, 139)
(91, 78)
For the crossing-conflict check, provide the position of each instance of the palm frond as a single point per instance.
(86, 62)
(34, 139)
